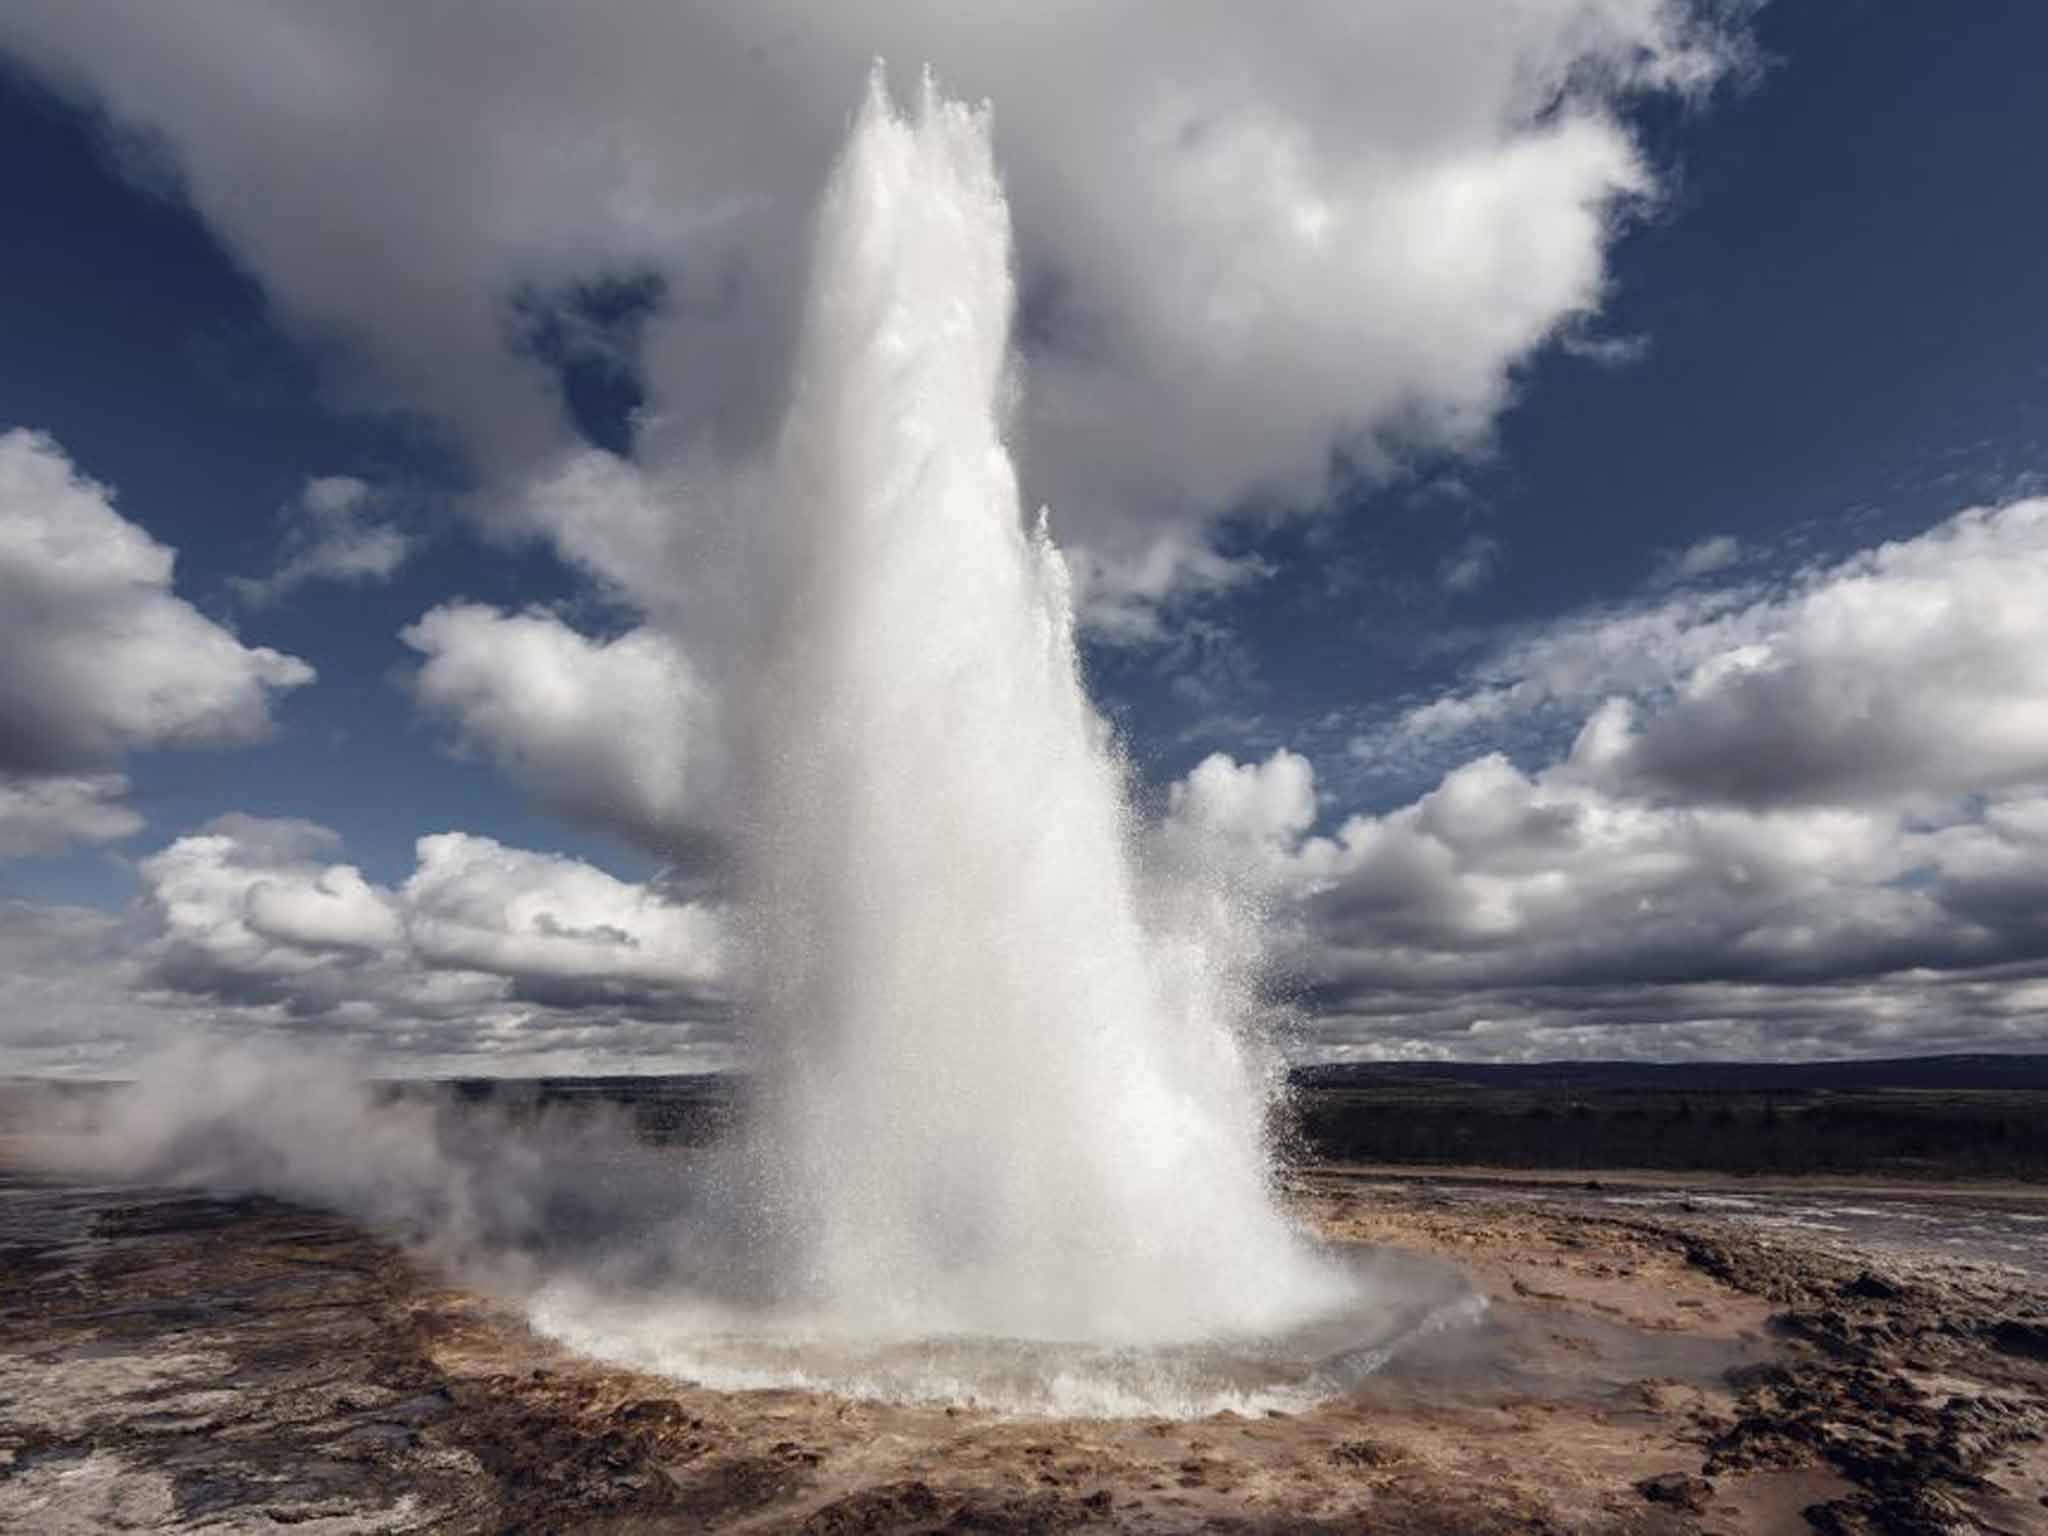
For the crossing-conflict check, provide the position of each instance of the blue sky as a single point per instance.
(1645, 346)
(1845, 340)
(139, 344)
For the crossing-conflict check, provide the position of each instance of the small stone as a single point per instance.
(1871, 1287)
(1364, 1453)
(1680, 1490)
(1764, 1373)
(650, 1410)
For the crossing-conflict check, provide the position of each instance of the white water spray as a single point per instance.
(1000, 1104)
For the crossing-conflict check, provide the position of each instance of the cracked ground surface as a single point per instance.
(170, 1362)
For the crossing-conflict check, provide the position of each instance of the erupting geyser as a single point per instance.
(1000, 1103)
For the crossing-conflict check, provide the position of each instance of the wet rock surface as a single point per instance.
(1912, 1389)
(174, 1363)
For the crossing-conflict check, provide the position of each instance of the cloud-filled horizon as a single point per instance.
(1468, 570)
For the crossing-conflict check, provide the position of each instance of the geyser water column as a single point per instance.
(997, 1104)
(1009, 1140)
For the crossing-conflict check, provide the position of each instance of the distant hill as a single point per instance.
(1926, 1072)
(1970, 1116)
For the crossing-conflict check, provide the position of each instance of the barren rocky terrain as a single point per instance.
(176, 1363)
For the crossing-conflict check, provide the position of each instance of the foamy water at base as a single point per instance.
(1401, 1301)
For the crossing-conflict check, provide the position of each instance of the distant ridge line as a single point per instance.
(1962, 1070)
(1958, 1070)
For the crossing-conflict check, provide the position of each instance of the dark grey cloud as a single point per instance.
(1893, 1016)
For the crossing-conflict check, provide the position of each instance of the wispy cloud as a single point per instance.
(1471, 565)
(337, 529)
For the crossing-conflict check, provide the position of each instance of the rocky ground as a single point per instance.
(172, 1363)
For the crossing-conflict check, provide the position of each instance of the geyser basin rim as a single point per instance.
(1399, 1299)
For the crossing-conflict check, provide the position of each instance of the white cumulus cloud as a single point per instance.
(99, 657)
(1261, 806)
(1252, 258)
(474, 904)
(1914, 668)
(1803, 819)
(484, 950)
(599, 730)
(1917, 668)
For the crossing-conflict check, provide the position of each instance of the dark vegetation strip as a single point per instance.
(1906, 1132)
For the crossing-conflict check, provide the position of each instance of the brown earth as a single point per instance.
(174, 1363)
